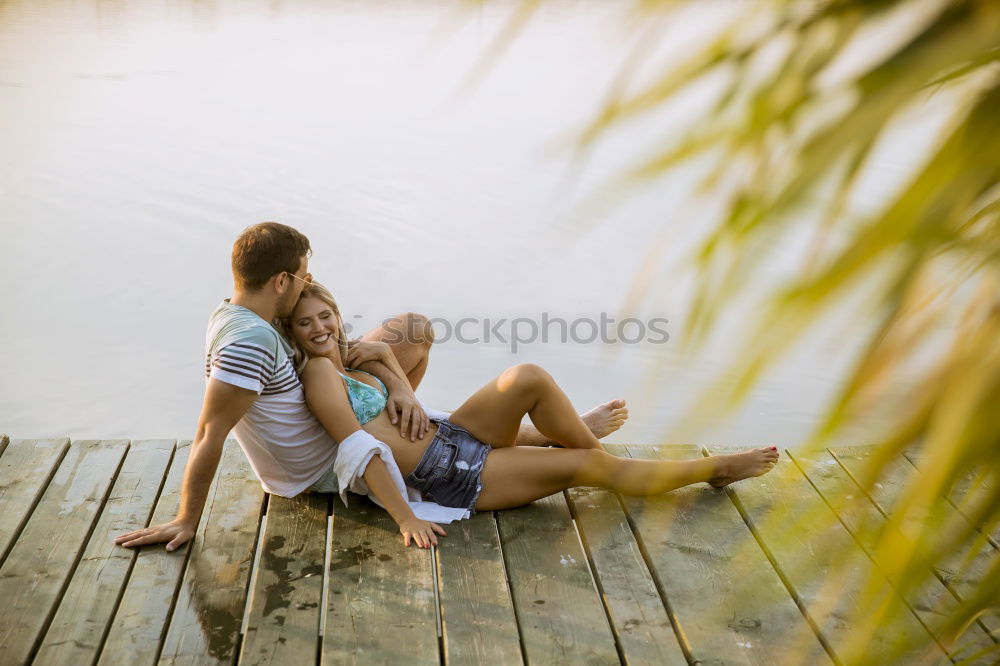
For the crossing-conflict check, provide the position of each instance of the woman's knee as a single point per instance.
(587, 467)
(524, 375)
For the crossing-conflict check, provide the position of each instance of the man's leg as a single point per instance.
(410, 337)
(602, 420)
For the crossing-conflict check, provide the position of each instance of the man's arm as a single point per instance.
(360, 352)
(223, 407)
(402, 405)
(376, 358)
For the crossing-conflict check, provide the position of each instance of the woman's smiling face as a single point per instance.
(315, 326)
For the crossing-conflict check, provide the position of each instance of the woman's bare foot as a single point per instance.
(736, 466)
(606, 418)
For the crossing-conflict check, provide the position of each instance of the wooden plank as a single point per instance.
(84, 615)
(34, 575)
(959, 493)
(558, 608)
(638, 616)
(935, 599)
(787, 513)
(25, 469)
(137, 626)
(283, 625)
(857, 514)
(204, 627)
(477, 614)
(730, 606)
(380, 594)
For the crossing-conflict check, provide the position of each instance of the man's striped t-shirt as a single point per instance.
(287, 447)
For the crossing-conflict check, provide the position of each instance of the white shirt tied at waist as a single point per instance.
(353, 455)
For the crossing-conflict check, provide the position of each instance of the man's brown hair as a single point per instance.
(264, 250)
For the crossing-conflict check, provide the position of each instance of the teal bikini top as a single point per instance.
(366, 400)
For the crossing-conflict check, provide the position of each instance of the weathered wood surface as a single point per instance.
(559, 612)
(380, 596)
(477, 613)
(283, 624)
(697, 574)
(209, 606)
(48, 549)
(860, 518)
(961, 574)
(809, 559)
(84, 616)
(955, 581)
(729, 603)
(968, 491)
(638, 616)
(25, 469)
(138, 625)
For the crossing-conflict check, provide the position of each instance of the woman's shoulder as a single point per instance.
(320, 377)
(319, 366)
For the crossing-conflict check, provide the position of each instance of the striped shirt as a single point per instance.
(286, 446)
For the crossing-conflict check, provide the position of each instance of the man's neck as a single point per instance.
(259, 303)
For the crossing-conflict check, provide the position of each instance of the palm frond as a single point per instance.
(791, 148)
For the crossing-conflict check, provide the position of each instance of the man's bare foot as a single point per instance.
(606, 418)
(736, 466)
(602, 421)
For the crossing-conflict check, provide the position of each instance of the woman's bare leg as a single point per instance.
(518, 475)
(493, 413)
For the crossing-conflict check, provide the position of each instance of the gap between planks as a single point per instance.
(647, 559)
(585, 547)
(16, 534)
(135, 554)
(854, 537)
(785, 580)
(57, 600)
(510, 590)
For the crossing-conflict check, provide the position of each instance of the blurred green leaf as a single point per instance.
(792, 145)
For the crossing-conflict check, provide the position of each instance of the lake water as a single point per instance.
(137, 139)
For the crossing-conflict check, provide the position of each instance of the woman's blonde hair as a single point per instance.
(313, 290)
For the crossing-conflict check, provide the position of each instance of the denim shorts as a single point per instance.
(450, 471)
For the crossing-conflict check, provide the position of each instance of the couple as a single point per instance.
(314, 412)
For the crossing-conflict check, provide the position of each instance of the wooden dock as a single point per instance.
(586, 577)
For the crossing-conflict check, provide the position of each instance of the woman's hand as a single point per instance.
(421, 531)
(176, 532)
(359, 352)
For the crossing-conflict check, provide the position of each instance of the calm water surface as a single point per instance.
(137, 139)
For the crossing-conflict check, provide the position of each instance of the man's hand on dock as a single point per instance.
(176, 532)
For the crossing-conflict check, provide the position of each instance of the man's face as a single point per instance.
(286, 303)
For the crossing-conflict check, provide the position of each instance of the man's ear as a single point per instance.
(279, 282)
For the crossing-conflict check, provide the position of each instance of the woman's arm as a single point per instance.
(327, 398)
(380, 483)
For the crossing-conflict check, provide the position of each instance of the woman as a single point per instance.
(451, 463)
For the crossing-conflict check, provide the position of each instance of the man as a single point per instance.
(253, 390)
